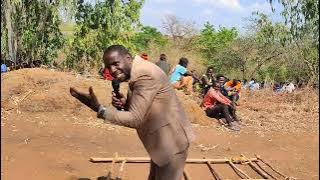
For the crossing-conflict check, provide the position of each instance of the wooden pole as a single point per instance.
(264, 175)
(238, 170)
(186, 175)
(147, 160)
(258, 157)
(120, 173)
(269, 174)
(213, 172)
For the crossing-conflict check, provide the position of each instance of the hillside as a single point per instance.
(47, 134)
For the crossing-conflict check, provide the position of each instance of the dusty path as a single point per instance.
(45, 134)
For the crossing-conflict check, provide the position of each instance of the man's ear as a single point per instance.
(128, 57)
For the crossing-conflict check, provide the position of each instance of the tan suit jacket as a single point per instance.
(154, 110)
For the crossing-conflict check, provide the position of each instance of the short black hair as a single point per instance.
(119, 48)
(235, 81)
(210, 67)
(214, 84)
(218, 76)
(163, 57)
(183, 61)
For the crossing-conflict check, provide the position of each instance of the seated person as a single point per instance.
(144, 56)
(3, 68)
(163, 64)
(181, 77)
(290, 87)
(233, 88)
(253, 85)
(107, 75)
(195, 77)
(206, 80)
(276, 87)
(244, 84)
(221, 79)
(216, 105)
(196, 81)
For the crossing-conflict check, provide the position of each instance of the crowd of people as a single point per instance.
(7, 65)
(219, 94)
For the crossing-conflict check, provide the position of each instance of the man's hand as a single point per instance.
(88, 99)
(118, 101)
(233, 106)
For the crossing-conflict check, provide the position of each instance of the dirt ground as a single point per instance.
(47, 135)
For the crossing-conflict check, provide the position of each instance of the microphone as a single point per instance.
(116, 87)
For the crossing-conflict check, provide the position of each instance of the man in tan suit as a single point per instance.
(151, 107)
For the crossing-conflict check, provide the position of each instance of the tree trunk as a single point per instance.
(10, 34)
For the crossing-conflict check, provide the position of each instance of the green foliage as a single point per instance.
(276, 72)
(67, 29)
(302, 16)
(268, 32)
(251, 55)
(101, 25)
(36, 30)
(211, 41)
(146, 36)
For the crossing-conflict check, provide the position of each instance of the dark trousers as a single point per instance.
(234, 98)
(171, 171)
(221, 111)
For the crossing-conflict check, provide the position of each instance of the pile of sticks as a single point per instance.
(254, 163)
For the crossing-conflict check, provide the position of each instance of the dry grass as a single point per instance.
(265, 111)
(41, 90)
(174, 53)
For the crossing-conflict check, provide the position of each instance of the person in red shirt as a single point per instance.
(107, 75)
(216, 105)
(144, 56)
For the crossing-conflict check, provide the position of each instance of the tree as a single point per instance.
(33, 33)
(100, 25)
(146, 36)
(211, 41)
(248, 56)
(177, 28)
(302, 16)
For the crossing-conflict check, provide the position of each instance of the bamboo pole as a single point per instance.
(213, 172)
(239, 170)
(264, 175)
(186, 175)
(113, 161)
(120, 173)
(147, 160)
(284, 176)
(269, 174)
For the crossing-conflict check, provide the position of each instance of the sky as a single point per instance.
(228, 13)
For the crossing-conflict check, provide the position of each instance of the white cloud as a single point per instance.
(262, 7)
(207, 12)
(234, 5)
(165, 1)
(228, 4)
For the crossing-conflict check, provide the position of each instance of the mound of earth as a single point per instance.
(42, 90)
(47, 134)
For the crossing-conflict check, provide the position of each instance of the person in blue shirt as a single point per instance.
(181, 77)
(3, 68)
